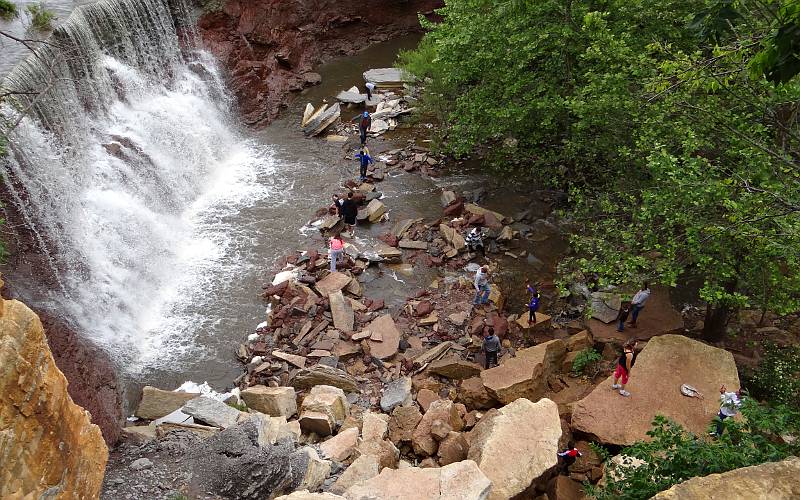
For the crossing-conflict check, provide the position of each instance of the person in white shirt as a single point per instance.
(637, 304)
(482, 288)
(730, 402)
(370, 87)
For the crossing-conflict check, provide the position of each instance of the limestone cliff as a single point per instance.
(48, 446)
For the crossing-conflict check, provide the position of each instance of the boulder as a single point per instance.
(454, 368)
(543, 321)
(425, 397)
(390, 337)
(387, 77)
(212, 412)
(341, 446)
(564, 488)
(351, 97)
(375, 210)
(396, 393)
(321, 120)
(580, 341)
(605, 306)
(773, 481)
(460, 480)
(444, 410)
(374, 426)
(323, 409)
(452, 237)
(342, 312)
(458, 319)
(316, 471)
(403, 422)
(413, 245)
(156, 403)
(525, 376)
(475, 209)
(473, 394)
(363, 468)
(447, 197)
(269, 430)
(324, 375)
(453, 448)
(384, 451)
(432, 353)
(333, 282)
(292, 359)
(388, 254)
(666, 362)
(515, 445)
(272, 401)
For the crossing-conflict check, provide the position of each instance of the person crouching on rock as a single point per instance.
(569, 456)
(370, 88)
(336, 250)
(474, 240)
(730, 402)
(491, 346)
(533, 304)
(624, 365)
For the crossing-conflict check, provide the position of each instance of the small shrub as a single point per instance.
(777, 377)
(8, 10)
(41, 18)
(238, 406)
(210, 6)
(584, 359)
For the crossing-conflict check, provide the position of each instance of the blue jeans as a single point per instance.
(720, 427)
(482, 294)
(621, 325)
(635, 309)
(334, 256)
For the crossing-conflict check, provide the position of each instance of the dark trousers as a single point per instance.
(565, 465)
(491, 357)
(720, 427)
(363, 133)
(363, 171)
(369, 94)
(621, 325)
(531, 316)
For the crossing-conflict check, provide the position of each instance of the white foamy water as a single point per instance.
(133, 176)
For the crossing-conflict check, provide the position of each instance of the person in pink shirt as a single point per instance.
(336, 250)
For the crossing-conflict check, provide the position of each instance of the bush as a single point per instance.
(41, 18)
(210, 6)
(584, 359)
(8, 10)
(777, 378)
(675, 455)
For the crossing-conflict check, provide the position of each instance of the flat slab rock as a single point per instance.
(390, 337)
(332, 283)
(212, 412)
(387, 77)
(664, 364)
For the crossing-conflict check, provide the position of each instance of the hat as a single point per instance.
(366, 114)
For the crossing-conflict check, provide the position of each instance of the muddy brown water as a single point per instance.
(307, 172)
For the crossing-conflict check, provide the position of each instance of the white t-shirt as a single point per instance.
(729, 404)
(370, 86)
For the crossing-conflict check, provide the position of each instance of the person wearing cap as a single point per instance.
(364, 123)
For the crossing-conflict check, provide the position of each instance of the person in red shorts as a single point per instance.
(624, 365)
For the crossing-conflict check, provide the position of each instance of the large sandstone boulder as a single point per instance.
(324, 375)
(442, 410)
(341, 311)
(363, 468)
(461, 480)
(341, 446)
(389, 334)
(525, 376)
(156, 403)
(516, 445)
(473, 394)
(664, 364)
(48, 446)
(770, 481)
(403, 422)
(272, 401)
(454, 368)
(323, 409)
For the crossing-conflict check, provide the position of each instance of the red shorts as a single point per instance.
(622, 373)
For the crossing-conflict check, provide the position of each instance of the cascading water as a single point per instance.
(127, 169)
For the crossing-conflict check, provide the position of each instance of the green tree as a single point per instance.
(673, 455)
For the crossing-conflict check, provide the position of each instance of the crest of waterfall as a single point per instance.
(122, 165)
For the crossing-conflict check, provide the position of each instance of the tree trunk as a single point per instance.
(715, 323)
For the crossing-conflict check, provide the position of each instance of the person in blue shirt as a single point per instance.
(533, 304)
(365, 159)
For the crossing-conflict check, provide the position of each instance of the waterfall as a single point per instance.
(125, 167)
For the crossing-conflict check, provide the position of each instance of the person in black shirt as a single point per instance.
(491, 346)
(349, 212)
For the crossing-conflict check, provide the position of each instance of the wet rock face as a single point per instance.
(270, 48)
(48, 446)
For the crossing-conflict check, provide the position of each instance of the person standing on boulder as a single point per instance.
(491, 346)
(370, 88)
(364, 123)
(637, 304)
(336, 250)
(624, 365)
(482, 288)
(730, 402)
(349, 211)
(365, 159)
(533, 304)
